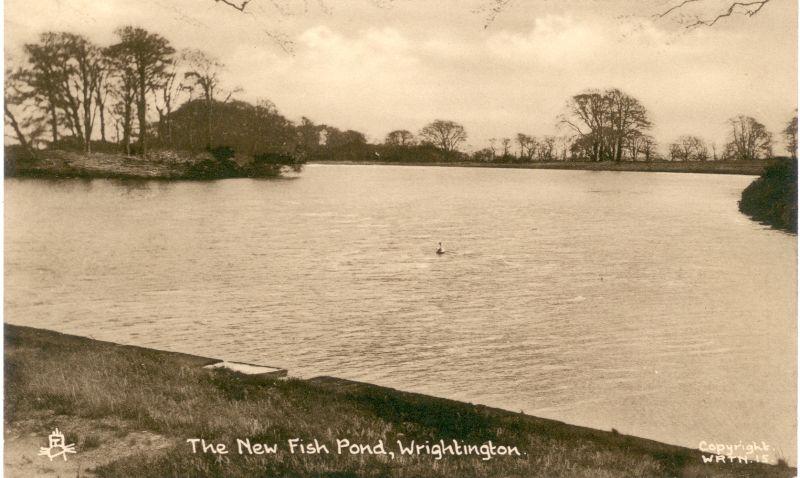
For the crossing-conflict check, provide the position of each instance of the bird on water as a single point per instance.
(440, 251)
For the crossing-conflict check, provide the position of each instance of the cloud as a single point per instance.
(376, 69)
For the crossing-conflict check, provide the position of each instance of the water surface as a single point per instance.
(640, 301)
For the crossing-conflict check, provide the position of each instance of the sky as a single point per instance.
(499, 67)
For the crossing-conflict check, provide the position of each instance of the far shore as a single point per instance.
(180, 165)
(133, 411)
(748, 168)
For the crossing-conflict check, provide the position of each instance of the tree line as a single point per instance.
(141, 93)
(605, 125)
(137, 94)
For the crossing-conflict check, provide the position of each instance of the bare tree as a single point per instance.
(400, 137)
(628, 118)
(748, 139)
(688, 148)
(167, 94)
(446, 135)
(546, 149)
(605, 122)
(102, 90)
(11, 98)
(790, 133)
(86, 64)
(506, 142)
(641, 144)
(527, 146)
(203, 75)
(122, 87)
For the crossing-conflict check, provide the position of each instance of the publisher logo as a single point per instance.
(57, 446)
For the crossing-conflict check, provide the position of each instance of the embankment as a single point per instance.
(772, 198)
(131, 410)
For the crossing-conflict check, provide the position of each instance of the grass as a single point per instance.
(54, 375)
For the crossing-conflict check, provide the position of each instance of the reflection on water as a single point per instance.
(639, 301)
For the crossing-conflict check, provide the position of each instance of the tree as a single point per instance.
(86, 65)
(60, 77)
(546, 149)
(400, 137)
(527, 146)
(688, 148)
(122, 87)
(44, 77)
(641, 144)
(443, 134)
(628, 118)
(12, 98)
(790, 133)
(103, 89)
(149, 55)
(587, 115)
(748, 139)
(203, 74)
(506, 142)
(310, 135)
(166, 96)
(606, 122)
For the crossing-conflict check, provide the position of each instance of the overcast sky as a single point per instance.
(378, 65)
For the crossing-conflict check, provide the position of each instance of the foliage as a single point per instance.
(772, 198)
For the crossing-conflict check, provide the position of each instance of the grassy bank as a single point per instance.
(130, 411)
(161, 164)
(772, 198)
(751, 168)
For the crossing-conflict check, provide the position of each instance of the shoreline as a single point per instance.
(160, 165)
(747, 168)
(169, 165)
(113, 392)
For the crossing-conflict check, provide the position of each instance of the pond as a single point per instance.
(640, 301)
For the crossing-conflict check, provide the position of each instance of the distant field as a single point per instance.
(130, 411)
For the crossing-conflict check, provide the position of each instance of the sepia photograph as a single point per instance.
(400, 238)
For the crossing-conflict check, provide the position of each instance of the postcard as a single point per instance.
(400, 238)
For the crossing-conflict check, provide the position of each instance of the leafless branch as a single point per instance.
(676, 7)
(748, 8)
(238, 6)
(744, 8)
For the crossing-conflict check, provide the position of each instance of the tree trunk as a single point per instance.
(87, 120)
(17, 130)
(126, 128)
(141, 106)
(102, 107)
(54, 122)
